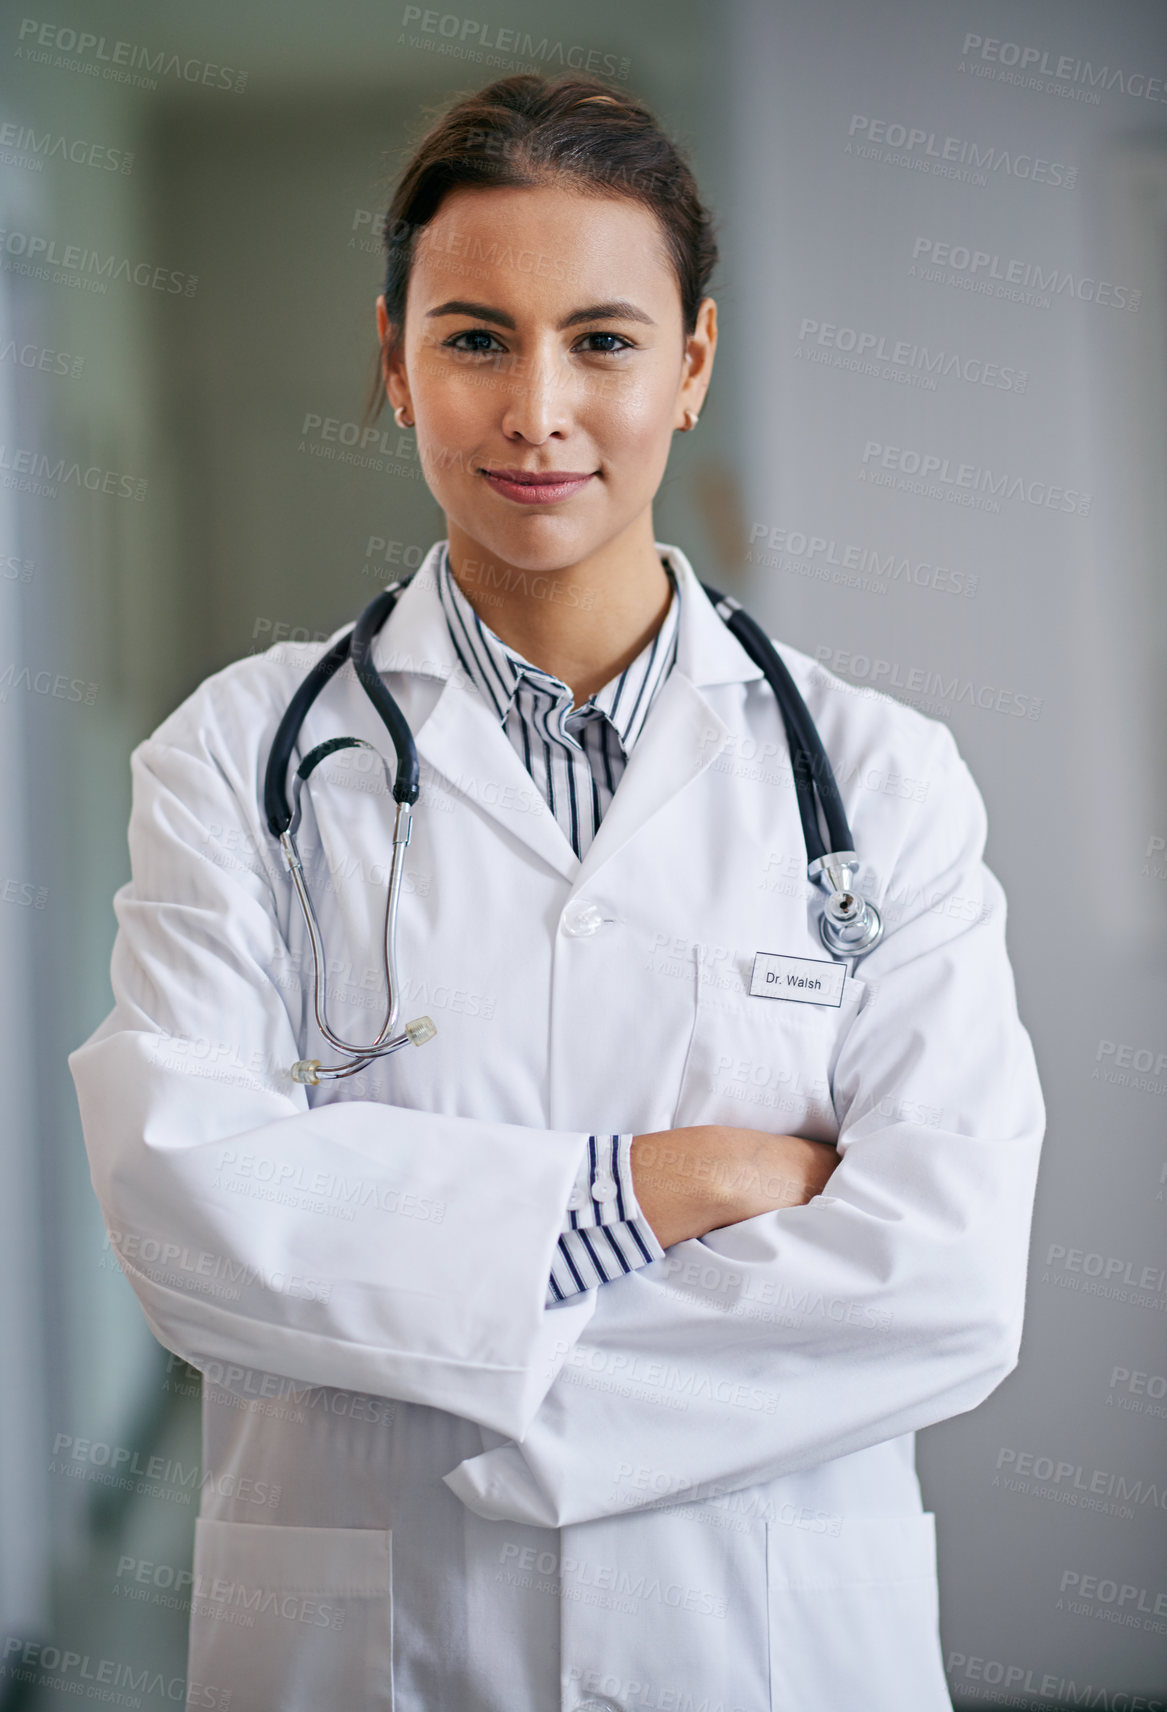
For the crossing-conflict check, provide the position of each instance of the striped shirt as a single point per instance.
(576, 757)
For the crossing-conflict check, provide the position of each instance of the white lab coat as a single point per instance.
(692, 1488)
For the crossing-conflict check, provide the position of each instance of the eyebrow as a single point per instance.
(618, 310)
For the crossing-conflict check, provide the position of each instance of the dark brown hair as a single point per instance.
(534, 130)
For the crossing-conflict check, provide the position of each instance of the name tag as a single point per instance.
(806, 980)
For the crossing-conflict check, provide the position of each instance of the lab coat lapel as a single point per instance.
(681, 736)
(683, 733)
(462, 741)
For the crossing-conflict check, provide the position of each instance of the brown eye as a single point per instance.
(471, 350)
(622, 344)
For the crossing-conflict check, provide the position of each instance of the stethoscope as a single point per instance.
(849, 925)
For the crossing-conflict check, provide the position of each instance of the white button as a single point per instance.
(577, 1199)
(580, 920)
(604, 1188)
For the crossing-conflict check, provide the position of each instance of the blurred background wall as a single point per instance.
(933, 456)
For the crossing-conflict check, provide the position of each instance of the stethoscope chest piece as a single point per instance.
(849, 925)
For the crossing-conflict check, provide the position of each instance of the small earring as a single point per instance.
(689, 426)
(399, 417)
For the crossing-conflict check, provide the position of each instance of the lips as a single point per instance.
(537, 487)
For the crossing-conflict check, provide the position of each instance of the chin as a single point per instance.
(536, 543)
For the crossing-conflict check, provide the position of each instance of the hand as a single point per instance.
(697, 1179)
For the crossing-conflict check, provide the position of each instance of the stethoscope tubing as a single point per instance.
(812, 770)
(815, 786)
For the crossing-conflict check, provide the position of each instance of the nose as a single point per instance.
(538, 397)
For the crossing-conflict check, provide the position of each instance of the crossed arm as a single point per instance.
(810, 1302)
(816, 1315)
(696, 1180)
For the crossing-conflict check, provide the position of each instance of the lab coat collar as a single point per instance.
(462, 741)
(416, 637)
(500, 670)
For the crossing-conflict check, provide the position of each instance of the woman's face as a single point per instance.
(543, 336)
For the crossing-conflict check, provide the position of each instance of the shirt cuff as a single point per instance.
(604, 1232)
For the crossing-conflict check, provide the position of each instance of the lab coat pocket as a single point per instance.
(665, 1608)
(854, 1616)
(763, 1063)
(293, 1619)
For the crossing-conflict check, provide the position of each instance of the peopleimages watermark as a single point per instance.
(1009, 276)
(900, 359)
(828, 560)
(56, 684)
(1040, 1476)
(709, 1277)
(686, 1382)
(1137, 1391)
(36, 472)
(382, 450)
(202, 1271)
(1063, 74)
(269, 632)
(474, 39)
(1154, 866)
(936, 689)
(1113, 1276)
(24, 893)
(640, 1693)
(353, 435)
(79, 50)
(406, 555)
(721, 1504)
(965, 483)
(165, 1477)
(571, 1572)
(950, 157)
(41, 358)
(1108, 1600)
(286, 1181)
(1048, 1685)
(1119, 1058)
(48, 1666)
(23, 146)
(255, 1388)
(218, 1596)
(37, 257)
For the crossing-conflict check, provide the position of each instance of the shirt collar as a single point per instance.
(417, 640)
(497, 670)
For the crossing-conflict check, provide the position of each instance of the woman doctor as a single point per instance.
(573, 1359)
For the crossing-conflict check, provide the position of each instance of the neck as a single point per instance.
(583, 622)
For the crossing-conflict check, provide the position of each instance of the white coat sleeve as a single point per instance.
(892, 1301)
(355, 1244)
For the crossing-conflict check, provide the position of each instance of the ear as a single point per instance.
(697, 364)
(392, 362)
